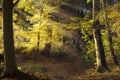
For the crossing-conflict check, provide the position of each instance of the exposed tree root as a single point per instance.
(102, 69)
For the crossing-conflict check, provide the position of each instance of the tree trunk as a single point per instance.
(100, 54)
(9, 52)
(93, 9)
(38, 45)
(112, 54)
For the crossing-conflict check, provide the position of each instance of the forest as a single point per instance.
(59, 39)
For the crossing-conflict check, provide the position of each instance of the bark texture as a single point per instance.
(110, 41)
(9, 52)
(100, 54)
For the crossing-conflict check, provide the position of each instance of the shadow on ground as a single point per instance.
(23, 76)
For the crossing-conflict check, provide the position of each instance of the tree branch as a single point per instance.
(16, 3)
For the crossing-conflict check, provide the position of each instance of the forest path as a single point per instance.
(66, 68)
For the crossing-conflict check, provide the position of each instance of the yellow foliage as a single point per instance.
(19, 68)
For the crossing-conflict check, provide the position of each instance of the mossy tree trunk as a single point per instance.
(100, 54)
(9, 51)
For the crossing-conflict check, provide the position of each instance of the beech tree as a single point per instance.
(100, 53)
(9, 51)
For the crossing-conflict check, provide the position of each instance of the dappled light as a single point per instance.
(60, 40)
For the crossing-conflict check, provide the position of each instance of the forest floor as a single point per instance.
(66, 68)
(55, 68)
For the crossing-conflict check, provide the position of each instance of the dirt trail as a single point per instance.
(63, 69)
(67, 68)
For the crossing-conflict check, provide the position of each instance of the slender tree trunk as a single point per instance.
(38, 45)
(112, 54)
(9, 54)
(93, 9)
